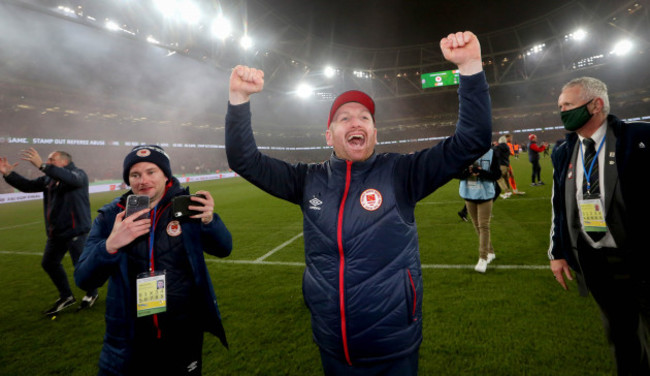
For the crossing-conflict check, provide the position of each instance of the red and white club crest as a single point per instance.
(174, 228)
(371, 199)
(143, 153)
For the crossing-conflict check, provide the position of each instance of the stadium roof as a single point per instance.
(391, 23)
(131, 61)
(391, 43)
(376, 24)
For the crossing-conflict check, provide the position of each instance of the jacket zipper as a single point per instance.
(415, 296)
(339, 240)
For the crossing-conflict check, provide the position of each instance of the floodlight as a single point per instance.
(246, 42)
(221, 27)
(189, 12)
(536, 49)
(67, 10)
(588, 61)
(152, 40)
(361, 74)
(166, 7)
(110, 25)
(622, 48)
(579, 34)
(304, 91)
(329, 72)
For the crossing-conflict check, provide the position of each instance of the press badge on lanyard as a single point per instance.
(151, 290)
(591, 208)
(591, 215)
(151, 286)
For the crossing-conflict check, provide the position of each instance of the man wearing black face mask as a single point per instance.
(600, 217)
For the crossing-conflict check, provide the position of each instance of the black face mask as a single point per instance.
(574, 119)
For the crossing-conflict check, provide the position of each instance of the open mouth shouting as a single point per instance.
(356, 140)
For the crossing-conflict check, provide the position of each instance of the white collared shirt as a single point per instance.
(598, 136)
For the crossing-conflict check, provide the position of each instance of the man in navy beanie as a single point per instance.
(147, 153)
(161, 256)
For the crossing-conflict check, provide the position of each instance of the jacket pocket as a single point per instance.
(411, 297)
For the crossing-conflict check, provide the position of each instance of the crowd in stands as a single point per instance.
(98, 131)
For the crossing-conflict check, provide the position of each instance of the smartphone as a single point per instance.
(135, 203)
(180, 205)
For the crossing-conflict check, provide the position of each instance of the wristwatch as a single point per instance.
(43, 165)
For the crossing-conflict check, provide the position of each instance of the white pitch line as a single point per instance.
(269, 253)
(21, 225)
(302, 264)
(491, 266)
(255, 262)
(460, 200)
(424, 266)
(21, 253)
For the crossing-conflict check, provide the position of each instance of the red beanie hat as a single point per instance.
(352, 96)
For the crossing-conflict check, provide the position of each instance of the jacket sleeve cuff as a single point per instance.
(104, 255)
(474, 82)
(239, 109)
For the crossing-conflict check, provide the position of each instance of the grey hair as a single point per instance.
(591, 88)
(503, 140)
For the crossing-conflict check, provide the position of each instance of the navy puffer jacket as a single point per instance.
(363, 279)
(96, 265)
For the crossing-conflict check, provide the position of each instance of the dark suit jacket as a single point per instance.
(627, 196)
(66, 202)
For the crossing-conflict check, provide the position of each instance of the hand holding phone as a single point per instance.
(180, 205)
(124, 232)
(136, 203)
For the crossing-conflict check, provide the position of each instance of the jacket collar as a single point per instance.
(338, 163)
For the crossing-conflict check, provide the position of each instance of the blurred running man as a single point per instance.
(66, 207)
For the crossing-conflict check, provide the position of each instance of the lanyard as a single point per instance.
(152, 232)
(588, 172)
(154, 222)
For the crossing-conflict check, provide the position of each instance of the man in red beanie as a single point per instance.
(363, 280)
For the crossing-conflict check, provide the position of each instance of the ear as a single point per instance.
(598, 105)
(328, 136)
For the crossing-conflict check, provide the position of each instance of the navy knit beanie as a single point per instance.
(147, 153)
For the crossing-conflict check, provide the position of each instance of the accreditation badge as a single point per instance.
(592, 216)
(151, 290)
